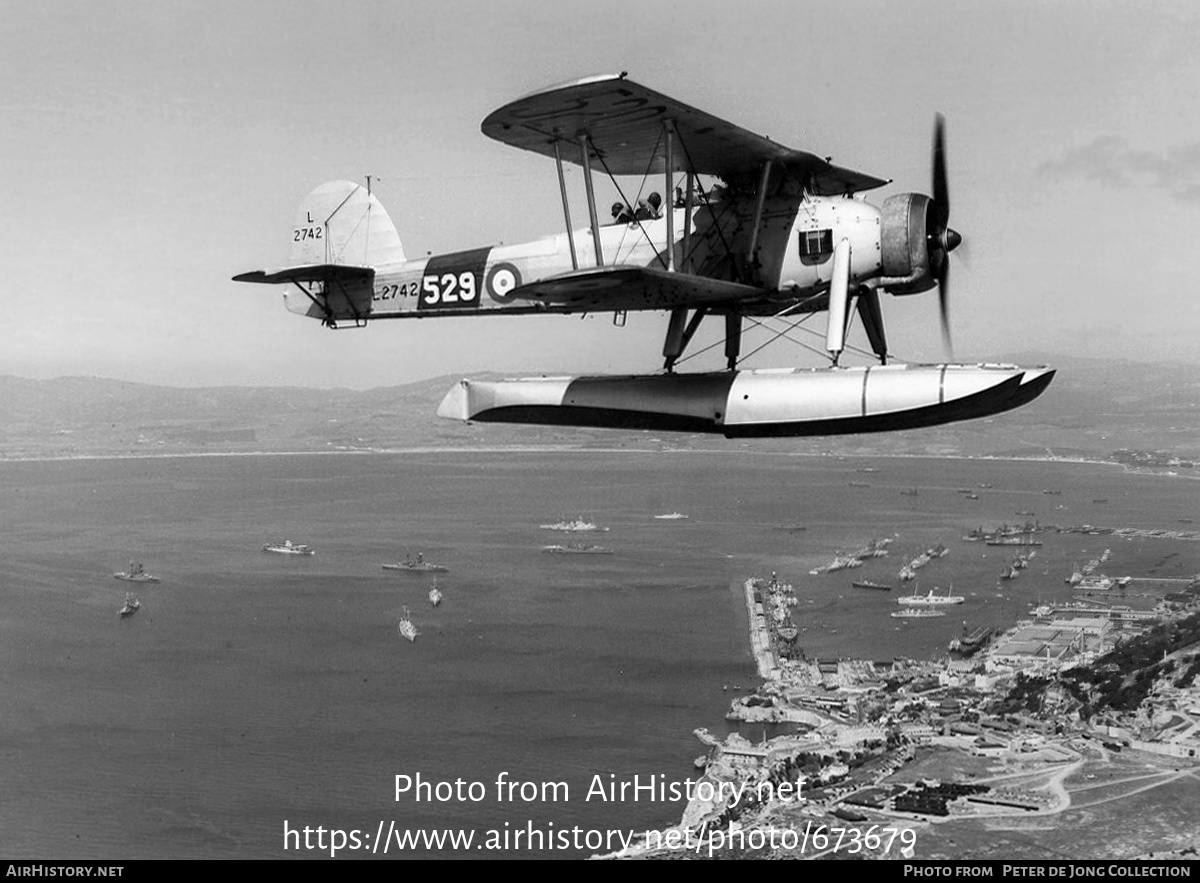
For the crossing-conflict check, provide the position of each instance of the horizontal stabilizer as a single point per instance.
(330, 292)
(309, 273)
(745, 404)
(635, 288)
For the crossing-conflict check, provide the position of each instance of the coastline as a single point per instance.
(578, 449)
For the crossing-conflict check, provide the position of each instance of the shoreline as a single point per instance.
(577, 449)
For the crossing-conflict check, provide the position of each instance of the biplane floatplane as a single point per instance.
(783, 235)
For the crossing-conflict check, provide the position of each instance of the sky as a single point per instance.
(149, 151)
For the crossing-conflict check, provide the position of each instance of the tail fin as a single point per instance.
(342, 223)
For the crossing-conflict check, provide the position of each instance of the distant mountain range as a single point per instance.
(1093, 408)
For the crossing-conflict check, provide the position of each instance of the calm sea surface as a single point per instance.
(253, 689)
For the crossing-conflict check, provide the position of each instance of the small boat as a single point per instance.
(405, 627)
(131, 606)
(287, 547)
(672, 516)
(435, 596)
(417, 565)
(917, 613)
(870, 584)
(135, 574)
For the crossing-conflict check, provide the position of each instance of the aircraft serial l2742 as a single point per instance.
(785, 235)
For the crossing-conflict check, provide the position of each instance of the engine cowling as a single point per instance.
(906, 222)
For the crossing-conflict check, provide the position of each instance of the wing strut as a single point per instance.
(688, 205)
(669, 191)
(679, 337)
(736, 271)
(872, 319)
(839, 286)
(759, 205)
(591, 198)
(733, 338)
(562, 189)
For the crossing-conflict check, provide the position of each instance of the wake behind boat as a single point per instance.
(287, 547)
(135, 574)
(672, 516)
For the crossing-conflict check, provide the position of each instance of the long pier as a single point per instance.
(760, 639)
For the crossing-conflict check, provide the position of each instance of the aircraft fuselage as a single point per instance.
(793, 259)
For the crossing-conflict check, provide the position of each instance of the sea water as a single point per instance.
(253, 692)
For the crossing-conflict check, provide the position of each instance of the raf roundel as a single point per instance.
(502, 279)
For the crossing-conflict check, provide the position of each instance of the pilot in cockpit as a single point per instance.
(621, 213)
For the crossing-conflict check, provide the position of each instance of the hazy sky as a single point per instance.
(151, 150)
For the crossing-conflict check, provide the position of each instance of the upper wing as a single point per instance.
(634, 288)
(624, 124)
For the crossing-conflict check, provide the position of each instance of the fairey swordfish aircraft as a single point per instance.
(783, 235)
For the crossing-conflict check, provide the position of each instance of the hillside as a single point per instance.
(1093, 408)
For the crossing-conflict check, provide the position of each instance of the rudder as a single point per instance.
(340, 222)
